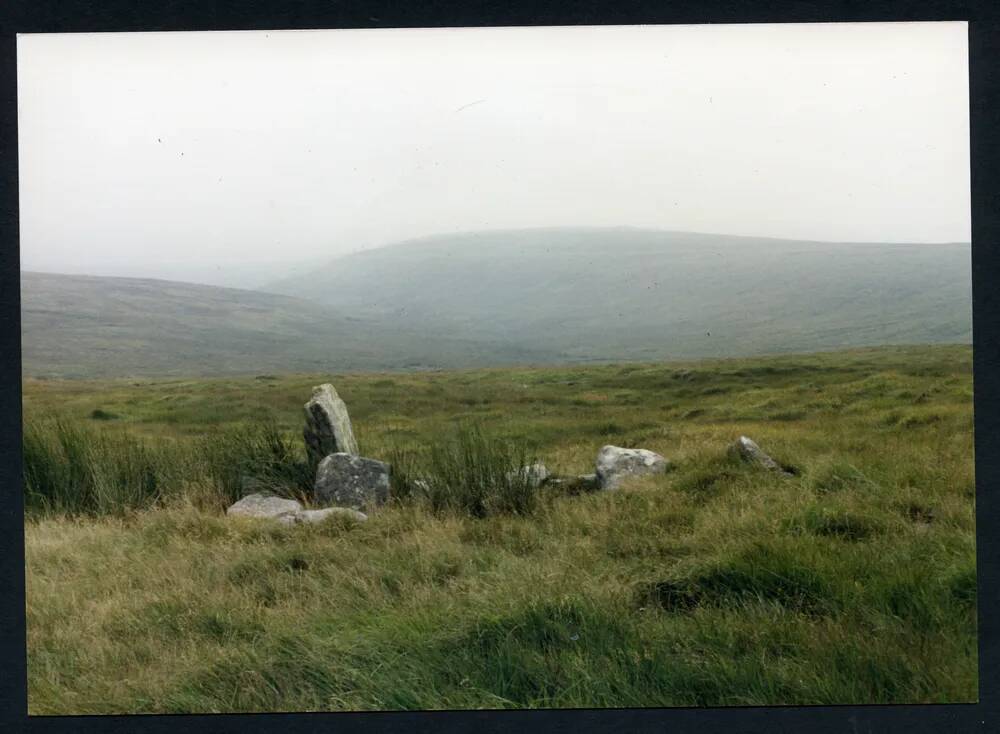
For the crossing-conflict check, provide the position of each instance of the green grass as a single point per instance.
(471, 473)
(73, 468)
(852, 581)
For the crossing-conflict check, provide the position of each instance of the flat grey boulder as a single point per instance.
(314, 516)
(266, 506)
(746, 450)
(346, 480)
(615, 464)
(328, 427)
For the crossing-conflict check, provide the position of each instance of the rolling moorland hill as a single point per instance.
(86, 326)
(547, 296)
(638, 294)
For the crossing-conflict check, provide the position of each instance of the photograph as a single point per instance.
(480, 368)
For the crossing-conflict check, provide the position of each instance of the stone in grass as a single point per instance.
(746, 450)
(314, 516)
(328, 426)
(266, 506)
(615, 464)
(351, 481)
(287, 512)
(535, 473)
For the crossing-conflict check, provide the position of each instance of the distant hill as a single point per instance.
(83, 326)
(637, 294)
(518, 297)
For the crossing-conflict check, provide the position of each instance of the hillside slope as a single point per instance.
(84, 326)
(638, 294)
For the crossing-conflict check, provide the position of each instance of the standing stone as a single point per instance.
(747, 450)
(615, 463)
(328, 427)
(352, 481)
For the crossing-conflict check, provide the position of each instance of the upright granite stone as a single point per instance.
(746, 450)
(615, 463)
(328, 427)
(346, 480)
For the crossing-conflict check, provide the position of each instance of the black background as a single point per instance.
(25, 16)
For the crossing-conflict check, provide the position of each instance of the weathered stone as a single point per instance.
(267, 506)
(747, 450)
(615, 464)
(534, 473)
(328, 426)
(351, 481)
(312, 516)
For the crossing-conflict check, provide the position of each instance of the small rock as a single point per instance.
(615, 463)
(328, 426)
(262, 505)
(312, 516)
(351, 481)
(747, 450)
(535, 473)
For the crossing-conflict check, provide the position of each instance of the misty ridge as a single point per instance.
(533, 296)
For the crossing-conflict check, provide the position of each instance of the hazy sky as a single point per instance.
(224, 157)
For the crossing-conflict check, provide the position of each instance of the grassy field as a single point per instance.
(852, 581)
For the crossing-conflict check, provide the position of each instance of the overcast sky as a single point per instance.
(225, 157)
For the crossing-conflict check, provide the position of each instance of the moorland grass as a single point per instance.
(72, 468)
(852, 581)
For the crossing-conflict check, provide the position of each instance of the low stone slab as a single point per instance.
(287, 512)
(314, 516)
(328, 426)
(262, 505)
(746, 450)
(352, 481)
(615, 464)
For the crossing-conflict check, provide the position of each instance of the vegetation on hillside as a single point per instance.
(78, 326)
(626, 293)
(546, 296)
(851, 581)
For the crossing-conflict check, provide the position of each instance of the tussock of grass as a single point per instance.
(838, 475)
(468, 471)
(716, 584)
(70, 467)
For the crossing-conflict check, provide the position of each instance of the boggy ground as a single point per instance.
(852, 581)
